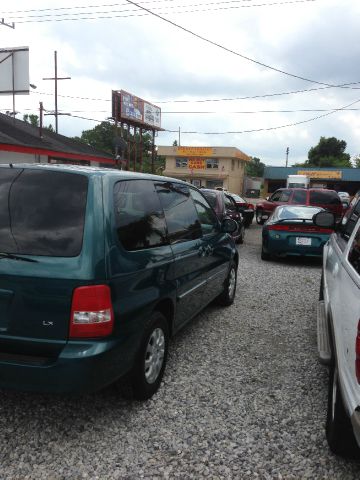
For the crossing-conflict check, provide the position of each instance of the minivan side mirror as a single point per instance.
(267, 198)
(228, 225)
(324, 219)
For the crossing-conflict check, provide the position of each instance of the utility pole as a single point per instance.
(7, 24)
(56, 78)
(179, 138)
(287, 156)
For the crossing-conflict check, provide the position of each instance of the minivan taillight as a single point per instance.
(91, 312)
(357, 353)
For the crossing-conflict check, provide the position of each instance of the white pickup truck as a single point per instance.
(339, 334)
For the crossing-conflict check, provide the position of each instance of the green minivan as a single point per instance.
(98, 268)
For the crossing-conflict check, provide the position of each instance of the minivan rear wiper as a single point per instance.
(15, 257)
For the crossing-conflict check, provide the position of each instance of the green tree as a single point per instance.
(35, 121)
(254, 168)
(329, 152)
(356, 161)
(102, 136)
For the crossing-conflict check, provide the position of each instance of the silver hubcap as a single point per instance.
(232, 283)
(154, 357)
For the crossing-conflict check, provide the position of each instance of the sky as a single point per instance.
(197, 63)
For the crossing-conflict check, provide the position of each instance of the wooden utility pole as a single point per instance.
(56, 78)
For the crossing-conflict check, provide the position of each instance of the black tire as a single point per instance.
(226, 298)
(321, 292)
(339, 432)
(144, 380)
(264, 255)
(242, 235)
(259, 219)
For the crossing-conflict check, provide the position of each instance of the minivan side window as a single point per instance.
(180, 213)
(139, 218)
(207, 216)
(354, 252)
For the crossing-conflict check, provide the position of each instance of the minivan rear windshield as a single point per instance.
(42, 212)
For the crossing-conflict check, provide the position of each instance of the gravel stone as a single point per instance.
(243, 397)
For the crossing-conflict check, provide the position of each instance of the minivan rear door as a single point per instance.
(42, 216)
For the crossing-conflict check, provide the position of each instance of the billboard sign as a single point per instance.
(14, 71)
(128, 107)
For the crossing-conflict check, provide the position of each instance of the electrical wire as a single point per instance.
(228, 49)
(77, 16)
(344, 85)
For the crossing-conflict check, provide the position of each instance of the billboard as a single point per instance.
(323, 174)
(195, 151)
(128, 107)
(14, 71)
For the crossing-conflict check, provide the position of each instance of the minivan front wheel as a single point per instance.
(151, 360)
(226, 298)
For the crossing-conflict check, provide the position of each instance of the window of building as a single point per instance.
(139, 218)
(181, 162)
(212, 163)
(180, 213)
(232, 164)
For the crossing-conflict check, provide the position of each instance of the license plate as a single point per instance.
(303, 241)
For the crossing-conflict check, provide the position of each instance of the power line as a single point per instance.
(344, 85)
(270, 128)
(228, 49)
(78, 7)
(38, 18)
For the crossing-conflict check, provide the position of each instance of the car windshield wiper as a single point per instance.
(16, 257)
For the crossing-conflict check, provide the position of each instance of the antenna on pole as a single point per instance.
(56, 78)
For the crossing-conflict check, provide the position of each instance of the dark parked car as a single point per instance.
(315, 197)
(97, 269)
(291, 231)
(246, 209)
(224, 207)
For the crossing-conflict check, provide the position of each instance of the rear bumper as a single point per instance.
(81, 367)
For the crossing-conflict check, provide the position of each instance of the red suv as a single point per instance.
(316, 197)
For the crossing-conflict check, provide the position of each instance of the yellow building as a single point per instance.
(208, 167)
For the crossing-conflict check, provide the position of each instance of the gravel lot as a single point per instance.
(243, 397)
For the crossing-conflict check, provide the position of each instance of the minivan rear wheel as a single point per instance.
(226, 298)
(151, 359)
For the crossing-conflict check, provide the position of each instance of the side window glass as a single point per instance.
(285, 195)
(354, 253)
(180, 213)
(275, 197)
(230, 204)
(139, 218)
(299, 197)
(349, 221)
(207, 216)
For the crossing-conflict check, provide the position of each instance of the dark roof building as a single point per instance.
(22, 142)
(339, 179)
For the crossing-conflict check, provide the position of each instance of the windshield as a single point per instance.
(238, 199)
(295, 213)
(42, 212)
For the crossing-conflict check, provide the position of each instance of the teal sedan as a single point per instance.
(291, 230)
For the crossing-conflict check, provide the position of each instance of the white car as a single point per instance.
(339, 334)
